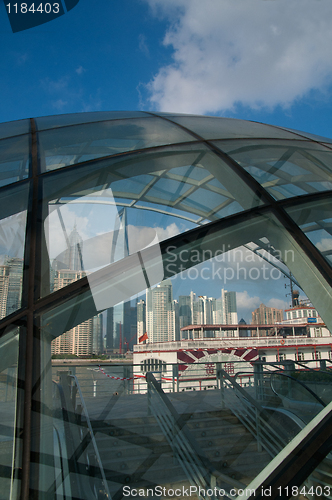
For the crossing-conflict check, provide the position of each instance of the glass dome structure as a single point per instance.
(96, 208)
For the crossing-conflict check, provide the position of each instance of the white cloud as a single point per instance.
(258, 53)
(278, 303)
(245, 301)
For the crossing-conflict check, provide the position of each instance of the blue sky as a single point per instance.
(261, 60)
(268, 61)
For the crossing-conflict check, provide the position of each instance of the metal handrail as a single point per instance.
(186, 449)
(249, 420)
(93, 440)
(258, 424)
(302, 384)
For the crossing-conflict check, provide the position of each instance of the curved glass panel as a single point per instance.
(209, 127)
(197, 362)
(83, 217)
(161, 353)
(13, 214)
(52, 122)
(80, 143)
(314, 137)
(11, 129)
(14, 159)
(315, 220)
(11, 424)
(284, 169)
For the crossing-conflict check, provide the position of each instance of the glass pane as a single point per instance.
(48, 122)
(314, 137)
(231, 392)
(140, 201)
(14, 163)
(315, 220)
(13, 215)
(10, 429)
(76, 144)
(284, 169)
(19, 127)
(212, 127)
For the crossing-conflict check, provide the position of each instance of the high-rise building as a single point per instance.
(225, 310)
(83, 339)
(72, 257)
(141, 319)
(15, 271)
(185, 318)
(229, 306)
(118, 325)
(160, 316)
(4, 282)
(11, 274)
(264, 315)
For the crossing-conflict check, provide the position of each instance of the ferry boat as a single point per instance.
(192, 364)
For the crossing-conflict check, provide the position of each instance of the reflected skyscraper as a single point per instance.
(72, 258)
(119, 317)
(10, 285)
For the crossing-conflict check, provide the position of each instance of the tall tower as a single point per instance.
(141, 319)
(119, 317)
(160, 317)
(15, 271)
(73, 255)
(184, 310)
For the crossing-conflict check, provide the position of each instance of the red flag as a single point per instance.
(143, 337)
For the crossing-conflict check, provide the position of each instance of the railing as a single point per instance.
(72, 438)
(264, 422)
(197, 468)
(252, 415)
(234, 342)
(90, 430)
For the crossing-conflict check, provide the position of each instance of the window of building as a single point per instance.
(153, 365)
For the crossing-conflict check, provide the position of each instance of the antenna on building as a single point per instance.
(291, 293)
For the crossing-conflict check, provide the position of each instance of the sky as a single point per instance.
(263, 60)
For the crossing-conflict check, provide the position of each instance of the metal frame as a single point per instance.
(33, 305)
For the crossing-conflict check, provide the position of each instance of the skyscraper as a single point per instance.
(264, 315)
(11, 274)
(185, 318)
(160, 316)
(86, 338)
(83, 339)
(141, 319)
(229, 307)
(72, 257)
(119, 317)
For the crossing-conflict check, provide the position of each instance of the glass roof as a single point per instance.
(101, 208)
(168, 171)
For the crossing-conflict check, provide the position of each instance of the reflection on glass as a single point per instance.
(315, 220)
(12, 240)
(77, 144)
(218, 335)
(14, 159)
(210, 127)
(78, 222)
(196, 341)
(9, 429)
(50, 122)
(284, 169)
